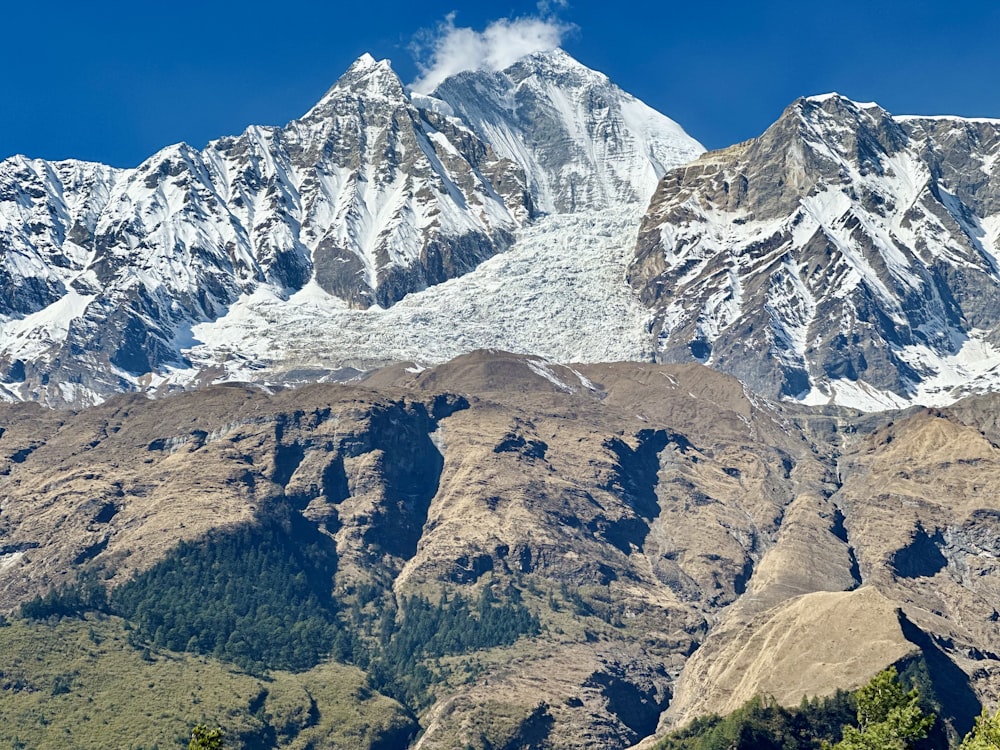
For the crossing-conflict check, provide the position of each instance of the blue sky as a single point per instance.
(115, 81)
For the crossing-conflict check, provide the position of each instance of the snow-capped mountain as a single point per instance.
(132, 279)
(583, 142)
(845, 254)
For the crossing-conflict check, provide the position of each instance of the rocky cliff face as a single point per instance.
(844, 254)
(645, 513)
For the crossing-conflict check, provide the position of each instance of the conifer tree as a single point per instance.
(203, 738)
(985, 734)
(889, 718)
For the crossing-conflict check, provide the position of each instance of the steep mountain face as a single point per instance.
(844, 254)
(683, 543)
(396, 198)
(583, 142)
(106, 270)
(372, 196)
(48, 212)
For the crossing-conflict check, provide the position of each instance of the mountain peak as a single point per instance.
(367, 66)
(560, 58)
(556, 57)
(554, 65)
(365, 61)
(366, 78)
(371, 73)
(837, 131)
(833, 96)
(583, 142)
(836, 108)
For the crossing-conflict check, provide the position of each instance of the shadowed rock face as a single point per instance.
(841, 245)
(646, 513)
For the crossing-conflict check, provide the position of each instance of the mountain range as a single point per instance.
(695, 426)
(844, 256)
(130, 279)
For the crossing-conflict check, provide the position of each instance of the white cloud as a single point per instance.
(545, 6)
(453, 49)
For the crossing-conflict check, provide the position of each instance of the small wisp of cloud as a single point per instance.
(451, 49)
(545, 7)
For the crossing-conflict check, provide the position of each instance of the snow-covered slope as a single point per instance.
(559, 293)
(48, 214)
(106, 271)
(130, 279)
(844, 255)
(583, 142)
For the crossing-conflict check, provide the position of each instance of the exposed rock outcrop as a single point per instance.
(844, 254)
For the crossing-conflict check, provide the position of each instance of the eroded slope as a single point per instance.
(643, 513)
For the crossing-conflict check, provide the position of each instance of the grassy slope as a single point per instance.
(79, 684)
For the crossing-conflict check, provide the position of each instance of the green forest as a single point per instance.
(257, 596)
(260, 596)
(763, 723)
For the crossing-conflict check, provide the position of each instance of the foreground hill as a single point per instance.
(600, 549)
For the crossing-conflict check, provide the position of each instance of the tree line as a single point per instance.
(260, 596)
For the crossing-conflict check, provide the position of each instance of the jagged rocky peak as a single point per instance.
(395, 199)
(583, 142)
(817, 141)
(368, 93)
(834, 257)
(366, 196)
(859, 123)
(367, 78)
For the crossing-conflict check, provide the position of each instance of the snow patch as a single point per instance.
(820, 98)
(540, 367)
(854, 394)
(9, 559)
(974, 368)
(33, 336)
